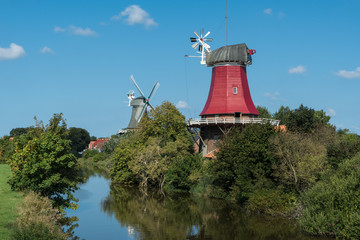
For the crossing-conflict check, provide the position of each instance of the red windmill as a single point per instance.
(229, 101)
(229, 94)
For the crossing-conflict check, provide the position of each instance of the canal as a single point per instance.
(109, 212)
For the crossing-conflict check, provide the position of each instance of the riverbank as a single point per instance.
(9, 201)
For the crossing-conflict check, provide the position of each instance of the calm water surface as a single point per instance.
(108, 212)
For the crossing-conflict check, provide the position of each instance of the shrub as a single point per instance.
(44, 164)
(88, 153)
(271, 201)
(38, 220)
(244, 158)
(181, 172)
(331, 207)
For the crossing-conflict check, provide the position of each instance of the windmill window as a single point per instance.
(235, 90)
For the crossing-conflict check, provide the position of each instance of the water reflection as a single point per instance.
(181, 216)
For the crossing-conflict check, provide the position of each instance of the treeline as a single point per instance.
(310, 171)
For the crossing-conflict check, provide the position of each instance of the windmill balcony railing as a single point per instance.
(230, 121)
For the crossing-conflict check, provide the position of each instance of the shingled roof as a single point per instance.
(238, 53)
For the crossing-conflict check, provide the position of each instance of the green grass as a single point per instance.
(9, 201)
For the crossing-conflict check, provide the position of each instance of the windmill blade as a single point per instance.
(142, 113)
(194, 46)
(192, 39)
(201, 32)
(200, 48)
(206, 46)
(196, 34)
(208, 40)
(156, 86)
(138, 88)
(150, 106)
(206, 34)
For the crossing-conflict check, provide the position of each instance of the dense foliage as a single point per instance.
(42, 162)
(158, 153)
(80, 139)
(331, 207)
(243, 162)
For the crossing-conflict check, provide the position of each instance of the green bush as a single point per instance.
(332, 206)
(271, 201)
(88, 153)
(181, 171)
(38, 220)
(245, 157)
(44, 164)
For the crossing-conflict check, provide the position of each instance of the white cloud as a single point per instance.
(76, 31)
(13, 52)
(273, 96)
(349, 74)
(134, 14)
(331, 112)
(268, 11)
(297, 70)
(82, 31)
(182, 105)
(47, 50)
(59, 29)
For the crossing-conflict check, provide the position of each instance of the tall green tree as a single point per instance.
(331, 207)
(18, 131)
(301, 160)
(80, 139)
(283, 114)
(244, 161)
(148, 153)
(45, 165)
(264, 112)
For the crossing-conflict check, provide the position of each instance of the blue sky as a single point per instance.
(76, 57)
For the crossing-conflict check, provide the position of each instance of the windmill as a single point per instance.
(140, 104)
(201, 45)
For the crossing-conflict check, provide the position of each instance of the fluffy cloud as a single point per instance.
(182, 105)
(47, 50)
(82, 31)
(331, 112)
(59, 29)
(349, 74)
(268, 11)
(273, 96)
(134, 14)
(297, 70)
(76, 31)
(13, 52)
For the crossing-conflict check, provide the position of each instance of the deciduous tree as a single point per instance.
(45, 165)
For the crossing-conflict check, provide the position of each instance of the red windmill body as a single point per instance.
(229, 93)
(229, 101)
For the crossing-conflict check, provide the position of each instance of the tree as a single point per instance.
(80, 139)
(264, 112)
(146, 155)
(345, 146)
(18, 131)
(244, 161)
(331, 207)
(301, 160)
(6, 148)
(283, 114)
(306, 120)
(45, 165)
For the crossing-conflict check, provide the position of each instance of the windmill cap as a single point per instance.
(238, 54)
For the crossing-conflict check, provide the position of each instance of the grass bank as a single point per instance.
(9, 201)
